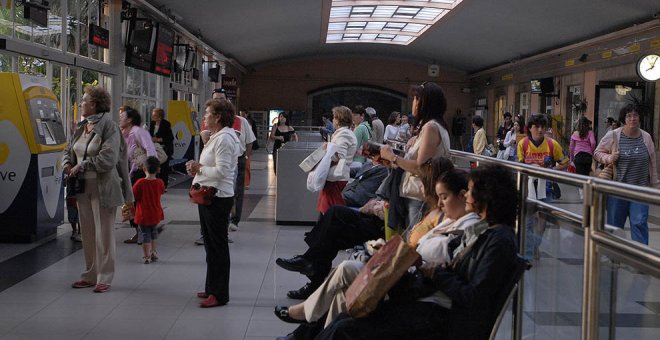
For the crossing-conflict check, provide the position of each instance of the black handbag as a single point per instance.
(76, 184)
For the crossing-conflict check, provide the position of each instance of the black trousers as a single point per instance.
(239, 190)
(164, 173)
(339, 228)
(405, 320)
(583, 163)
(214, 220)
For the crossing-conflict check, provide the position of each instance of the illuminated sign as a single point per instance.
(99, 36)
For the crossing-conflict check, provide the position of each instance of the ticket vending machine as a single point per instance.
(31, 142)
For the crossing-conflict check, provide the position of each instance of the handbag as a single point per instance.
(75, 184)
(379, 275)
(201, 194)
(607, 172)
(317, 177)
(412, 186)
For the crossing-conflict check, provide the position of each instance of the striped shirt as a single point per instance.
(633, 164)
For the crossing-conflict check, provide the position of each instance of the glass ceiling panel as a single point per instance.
(399, 22)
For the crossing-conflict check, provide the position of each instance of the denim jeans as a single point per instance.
(618, 210)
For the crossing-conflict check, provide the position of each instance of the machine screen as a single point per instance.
(47, 171)
(46, 120)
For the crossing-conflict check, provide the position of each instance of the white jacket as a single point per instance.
(346, 148)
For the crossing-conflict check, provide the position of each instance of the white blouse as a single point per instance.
(218, 159)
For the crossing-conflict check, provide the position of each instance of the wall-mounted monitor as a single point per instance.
(214, 73)
(535, 86)
(542, 86)
(141, 42)
(164, 50)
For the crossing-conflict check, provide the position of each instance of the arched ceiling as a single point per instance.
(477, 35)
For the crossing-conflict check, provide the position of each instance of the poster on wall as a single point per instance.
(230, 84)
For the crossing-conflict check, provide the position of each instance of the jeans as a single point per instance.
(618, 210)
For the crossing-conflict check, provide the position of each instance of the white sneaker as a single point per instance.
(233, 227)
(200, 241)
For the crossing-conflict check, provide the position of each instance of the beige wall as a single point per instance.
(286, 85)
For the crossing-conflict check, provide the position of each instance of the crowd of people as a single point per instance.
(461, 223)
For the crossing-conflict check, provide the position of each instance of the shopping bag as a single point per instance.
(316, 178)
(379, 275)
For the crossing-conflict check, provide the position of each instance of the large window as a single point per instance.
(140, 91)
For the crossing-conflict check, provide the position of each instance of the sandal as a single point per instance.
(154, 256)
(147, 259)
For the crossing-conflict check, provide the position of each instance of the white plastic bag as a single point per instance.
(316, 178)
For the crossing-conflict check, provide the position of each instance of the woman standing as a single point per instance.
(511, 140)
(97, 153)
(161, 132)
(217, 168)
(136, 137)
(282, 132)
(631, 153)
(392, 129)
(429, 106)
(581, 149)
(347, 146)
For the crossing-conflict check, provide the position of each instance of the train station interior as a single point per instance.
(568, 60)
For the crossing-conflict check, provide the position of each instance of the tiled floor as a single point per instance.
(157, 301)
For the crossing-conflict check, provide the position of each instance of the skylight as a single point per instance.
(383, 21)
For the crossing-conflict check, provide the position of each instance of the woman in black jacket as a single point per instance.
(465, 288)
(161, 132)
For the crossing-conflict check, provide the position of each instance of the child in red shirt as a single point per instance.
(148, 211)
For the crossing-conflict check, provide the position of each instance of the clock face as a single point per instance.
(648, 67)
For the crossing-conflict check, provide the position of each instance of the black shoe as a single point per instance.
(303, 293)
(282, 313)
(297, 264)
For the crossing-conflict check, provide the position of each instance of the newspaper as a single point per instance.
(314, 158)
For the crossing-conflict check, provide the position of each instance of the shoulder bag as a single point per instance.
(379, 275)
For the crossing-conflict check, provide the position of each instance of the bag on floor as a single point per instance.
(379, 275)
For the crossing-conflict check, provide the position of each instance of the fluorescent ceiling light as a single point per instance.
(383, 21)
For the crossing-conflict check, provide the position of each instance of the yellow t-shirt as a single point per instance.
(536, 154)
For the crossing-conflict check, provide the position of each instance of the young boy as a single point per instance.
(538, 150)
(148, 211)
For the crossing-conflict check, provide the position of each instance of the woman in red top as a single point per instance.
(148, 211)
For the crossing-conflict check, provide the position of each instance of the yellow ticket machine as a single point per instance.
(31, 142)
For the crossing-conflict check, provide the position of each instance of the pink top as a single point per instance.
(582, 145)
(137, 136)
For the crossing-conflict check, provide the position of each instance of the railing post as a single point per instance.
(593, 219)
(521, 183)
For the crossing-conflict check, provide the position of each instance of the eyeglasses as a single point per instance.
(632, 115)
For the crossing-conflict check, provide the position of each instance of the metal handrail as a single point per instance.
(597, 240)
